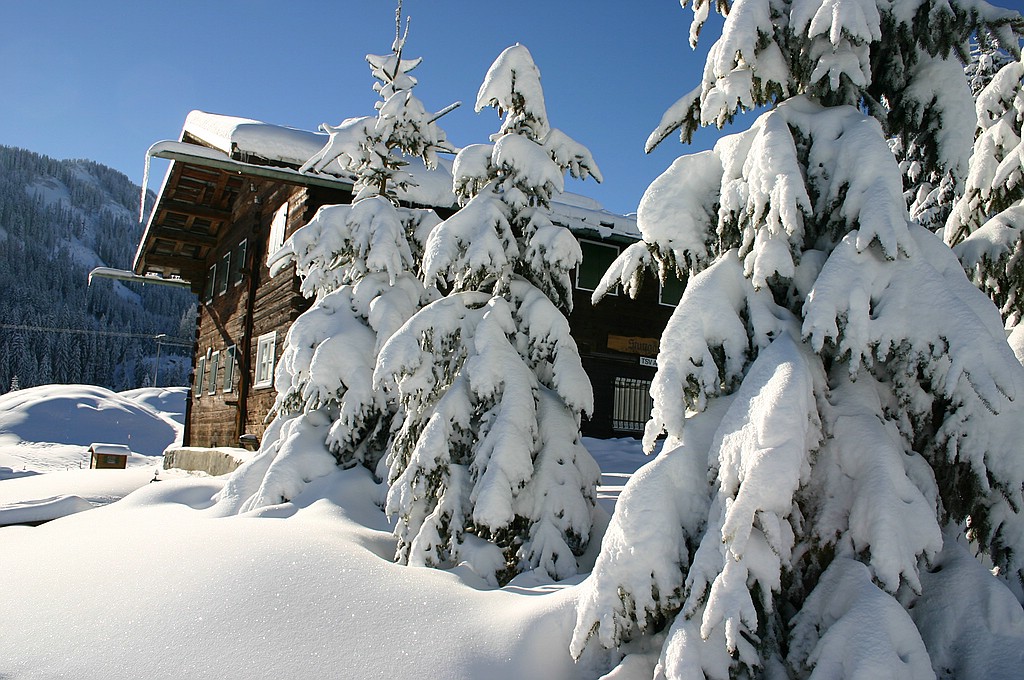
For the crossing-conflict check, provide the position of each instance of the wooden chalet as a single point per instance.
(232, 194)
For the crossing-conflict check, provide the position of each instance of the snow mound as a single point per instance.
(309, 592)
(168, 402)
(286, 591)
(80, 415)
(98, 487)
(42, 509)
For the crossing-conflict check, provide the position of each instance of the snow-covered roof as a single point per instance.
(255, 142)
(234, 135)
(110, 449)
(587, 216)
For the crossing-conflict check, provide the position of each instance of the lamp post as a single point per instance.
(156, 366)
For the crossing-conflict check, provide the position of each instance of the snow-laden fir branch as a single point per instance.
(839, 403)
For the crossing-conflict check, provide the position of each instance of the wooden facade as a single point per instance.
(620, 372)
(212, 225)
(240, 303)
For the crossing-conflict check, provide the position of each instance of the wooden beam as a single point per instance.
(192, 210)
(180, 263)
(201, 174)
(184, 236)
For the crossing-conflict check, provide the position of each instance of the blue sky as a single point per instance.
(103, 79)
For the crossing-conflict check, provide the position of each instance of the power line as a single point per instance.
(177, 342)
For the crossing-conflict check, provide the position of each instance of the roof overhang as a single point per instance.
(212, 158)
(217, 156)
(194, 206)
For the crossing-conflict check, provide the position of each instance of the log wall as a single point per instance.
(256, 305)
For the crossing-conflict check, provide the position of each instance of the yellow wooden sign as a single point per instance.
(633, 345)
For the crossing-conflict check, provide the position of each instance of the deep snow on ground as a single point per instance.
(166, 401)
(619, 459)
(158, 585)
(48, 429)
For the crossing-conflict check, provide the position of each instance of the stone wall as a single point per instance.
(218, 461)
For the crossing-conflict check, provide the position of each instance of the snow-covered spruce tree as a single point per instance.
(843, 462)
(487, 469)
(931, 190)
(987, 223)
(359, 263)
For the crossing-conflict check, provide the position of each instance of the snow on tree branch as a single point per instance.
(994, 257)
(832, 636)
(835, 394)
(833, 50)
(762, 445)
(870, 503)
(707, 344)
(512, 86)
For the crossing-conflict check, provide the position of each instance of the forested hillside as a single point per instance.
(58, 220)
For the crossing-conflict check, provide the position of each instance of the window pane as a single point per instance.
(211, 282)
(265, 360)
(214, 364)
(671, 291)
(239, 272)
(597, 257)
(277, 230)
(229, 369)
(200, 374)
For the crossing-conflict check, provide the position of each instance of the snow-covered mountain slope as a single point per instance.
(58, 220)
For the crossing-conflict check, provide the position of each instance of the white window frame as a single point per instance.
(278, 226)
(211, 282)
(200, 376)
(225, 263)
(576, 277)
(265, 360)
(229, 369)
(214, 366)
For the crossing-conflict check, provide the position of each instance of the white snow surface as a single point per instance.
(302, 592)
(79, 415)
(300, 589)
(48, 429)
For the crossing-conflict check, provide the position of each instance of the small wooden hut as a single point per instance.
(108, 456)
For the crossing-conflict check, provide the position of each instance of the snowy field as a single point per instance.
(157, 585)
